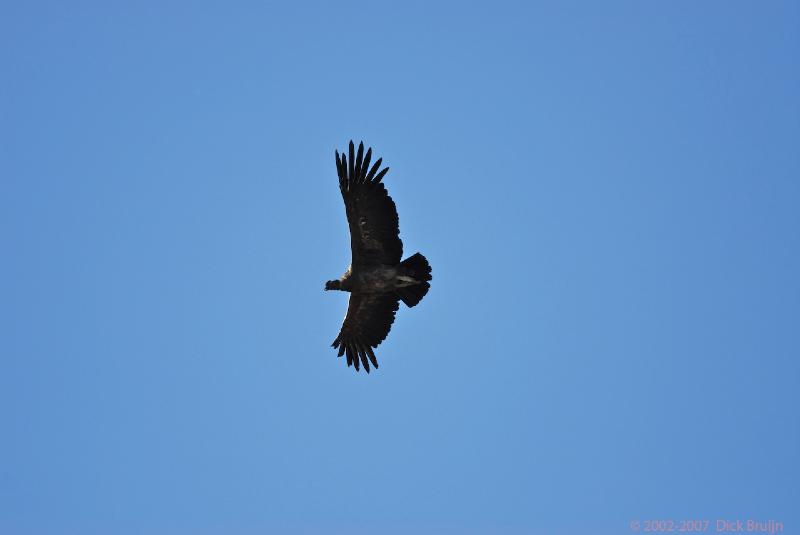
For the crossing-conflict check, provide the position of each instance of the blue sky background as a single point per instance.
(607, 191)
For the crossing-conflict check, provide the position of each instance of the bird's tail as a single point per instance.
(415, 266)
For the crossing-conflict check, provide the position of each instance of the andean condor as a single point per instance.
(376, 279)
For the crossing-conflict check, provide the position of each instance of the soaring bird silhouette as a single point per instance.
(376, 279)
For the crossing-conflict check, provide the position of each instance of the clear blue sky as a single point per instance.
(608, 193)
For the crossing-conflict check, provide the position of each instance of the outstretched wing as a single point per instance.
(371, 213)
(369, 319)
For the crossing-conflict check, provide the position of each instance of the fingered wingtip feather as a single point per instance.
(374, 169)
(359, 158)
(371, 356)
(380, 176)
(365, 165)
(351, 169)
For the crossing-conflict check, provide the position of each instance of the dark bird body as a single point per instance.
(376, 279)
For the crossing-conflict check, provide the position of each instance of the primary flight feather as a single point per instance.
(376, 279)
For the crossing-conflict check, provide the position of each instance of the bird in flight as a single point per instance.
(376, 279)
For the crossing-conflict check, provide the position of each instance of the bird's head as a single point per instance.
(333, 285)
